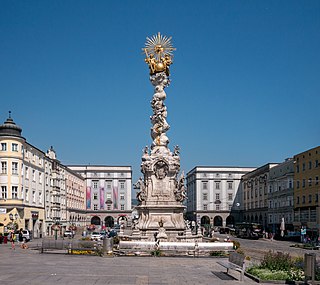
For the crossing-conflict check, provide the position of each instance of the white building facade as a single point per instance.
(108, 194)
(280, 196)
(214, 196)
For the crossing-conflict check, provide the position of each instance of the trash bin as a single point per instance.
(108, 246)
(309, 266)
(5, 239)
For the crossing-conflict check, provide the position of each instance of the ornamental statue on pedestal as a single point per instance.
(161, 193)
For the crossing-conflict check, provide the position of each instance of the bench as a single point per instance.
(235, 262)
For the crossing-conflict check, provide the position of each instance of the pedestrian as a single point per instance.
(20, 236)
(12, 240)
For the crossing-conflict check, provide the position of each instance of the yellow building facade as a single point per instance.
(307, 190)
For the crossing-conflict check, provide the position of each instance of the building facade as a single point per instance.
(22, 181)
(280, 196)
(108, 194)
(65, 201)
(214, 195)
(255, 195)
(307, 190)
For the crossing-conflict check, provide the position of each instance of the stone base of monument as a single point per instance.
(164, 248)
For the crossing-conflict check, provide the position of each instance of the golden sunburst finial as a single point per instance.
(158, 50)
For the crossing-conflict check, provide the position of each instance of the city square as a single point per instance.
(208, 159)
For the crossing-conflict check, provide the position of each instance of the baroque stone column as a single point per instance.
(161, 189)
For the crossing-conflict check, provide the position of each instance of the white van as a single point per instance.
(25, 235)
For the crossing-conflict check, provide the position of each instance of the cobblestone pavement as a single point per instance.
(28, 266)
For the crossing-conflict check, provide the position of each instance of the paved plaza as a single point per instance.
(30, 267)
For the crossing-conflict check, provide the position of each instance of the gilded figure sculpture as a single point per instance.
(158, 50)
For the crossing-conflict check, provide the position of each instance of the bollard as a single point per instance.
(309, 267)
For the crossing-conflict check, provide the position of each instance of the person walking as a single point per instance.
(20, 236)
(12, 240)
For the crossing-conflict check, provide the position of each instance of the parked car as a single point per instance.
(96, 236)
(26, 235)
(68, 234)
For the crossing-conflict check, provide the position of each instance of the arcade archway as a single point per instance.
(230, 221)
(109, 222)
(96, 221)
(217, 221)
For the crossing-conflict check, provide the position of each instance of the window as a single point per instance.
(95, 196)
(27, 195)
(95, 184)
(316, 163)
(14, 192)
(217, 184)
(230, 185)
(27, 172)
(122, 207)
(204, 196)
(310, 198)
(109, 183)
(14, 147)
(95, 207)
(303, 199)
(40, 178)
(310, 181)
(298, 184)
(22, 193)
(14, 167)
(317, 180)
(121, 196)
(298, 168)
(298, 200)
(310, 164)
(3, 146)
(33, 175)
(217, 207)
(33, 196)
(303, 183)
(205, 185)
(4, 167)
(303, 166)
(4, 193)
(108, 207)
(108, 196)
(230, 207)
(217, 196)
(122, 184)
(317, 198)
(205, 207)
(230, 196)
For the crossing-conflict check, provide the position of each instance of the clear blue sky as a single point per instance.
(244, 91)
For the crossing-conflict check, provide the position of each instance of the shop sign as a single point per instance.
(3, 210)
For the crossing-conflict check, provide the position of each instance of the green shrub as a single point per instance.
(267, 274)
(217, 253)
(156, 252)
(116, 240)
(295, 274)
(277, 261)
(236, 244)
